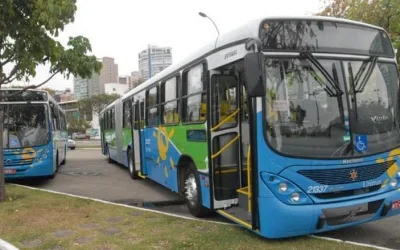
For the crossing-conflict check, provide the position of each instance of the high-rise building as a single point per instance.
(109, 72)
(81, 88)
(127, 80)
(153, 60)
(86, 87)
(95, 85)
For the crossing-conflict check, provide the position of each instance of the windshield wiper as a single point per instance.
(339, 97)
(373, 60)
(328, 77)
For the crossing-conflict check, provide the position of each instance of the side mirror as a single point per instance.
(254, 68)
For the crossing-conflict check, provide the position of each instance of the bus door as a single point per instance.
(229, 146)
(138, 111)
(225, 140)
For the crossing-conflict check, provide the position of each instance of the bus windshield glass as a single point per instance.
(25, 125)
(324, 36)
(311, 112)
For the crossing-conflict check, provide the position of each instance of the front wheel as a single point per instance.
(193, 193)
(132, 171)
(108, 155)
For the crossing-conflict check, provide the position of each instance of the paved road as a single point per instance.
(88, 173)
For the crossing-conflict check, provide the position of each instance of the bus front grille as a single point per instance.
(17, 162)
(347, 175)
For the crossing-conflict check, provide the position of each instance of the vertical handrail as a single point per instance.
(249, 179)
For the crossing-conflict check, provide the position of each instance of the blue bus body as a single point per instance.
(42, 158)
(367, 200)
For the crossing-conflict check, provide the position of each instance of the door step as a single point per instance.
(239, 215)
(140, 175)
(244, 198)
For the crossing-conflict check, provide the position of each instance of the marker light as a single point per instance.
(393, 182)
(295, 197)
(283, 187)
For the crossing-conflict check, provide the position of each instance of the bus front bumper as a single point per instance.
(37, 169)
(279, 220)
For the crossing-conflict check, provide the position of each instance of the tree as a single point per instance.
(78, 125)
(28, 32)
(382, 13)
(96, 103)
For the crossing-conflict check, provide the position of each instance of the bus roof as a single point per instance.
(240, 34)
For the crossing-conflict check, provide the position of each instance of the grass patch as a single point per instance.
(42, 220)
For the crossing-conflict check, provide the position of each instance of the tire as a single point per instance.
(57, 165)
(192, 192)
(131, 166)
(65, 157)
(109, 156)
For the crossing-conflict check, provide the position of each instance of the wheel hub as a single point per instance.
(191, 189)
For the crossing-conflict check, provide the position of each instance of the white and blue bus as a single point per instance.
(286, 126)
(34, 134)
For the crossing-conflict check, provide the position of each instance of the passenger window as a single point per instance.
(169, 106)
(224, 101)
(152, 114)
(194, 96)
(127, 113)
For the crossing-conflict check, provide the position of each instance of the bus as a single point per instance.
(287, 126)
(34, 134)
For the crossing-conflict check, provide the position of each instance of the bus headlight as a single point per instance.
(286, 191)
(393, 182)
(295, 197)
(282, 187)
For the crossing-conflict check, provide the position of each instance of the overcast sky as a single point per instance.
(122, 28)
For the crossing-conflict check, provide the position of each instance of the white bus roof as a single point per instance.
(249, 29)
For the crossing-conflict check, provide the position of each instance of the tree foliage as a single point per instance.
(28, 32)
(382, 13)
(78, 125)
(97, 103)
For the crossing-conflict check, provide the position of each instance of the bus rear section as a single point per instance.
(28, 146)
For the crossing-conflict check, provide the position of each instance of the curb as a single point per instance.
(4, 245)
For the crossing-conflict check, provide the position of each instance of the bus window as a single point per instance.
(169, 106)
(152, 107)
(194, 95)
(224, 100)
(126, 119)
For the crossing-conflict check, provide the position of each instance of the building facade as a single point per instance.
(84, 88)
(109, 73)
(153, 60)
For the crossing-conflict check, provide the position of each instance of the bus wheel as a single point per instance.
(108, 155)
(193, 192)
(65, 157)
(131, 165)
(57, 165)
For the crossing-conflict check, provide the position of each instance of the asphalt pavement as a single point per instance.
(88, 173)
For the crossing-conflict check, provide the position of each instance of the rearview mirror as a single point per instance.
(254, 68)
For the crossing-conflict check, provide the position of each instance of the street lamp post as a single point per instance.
(204, 15)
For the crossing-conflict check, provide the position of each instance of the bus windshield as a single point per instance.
(309, 115)
(25, 125)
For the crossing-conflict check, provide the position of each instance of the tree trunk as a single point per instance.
(2, 186)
